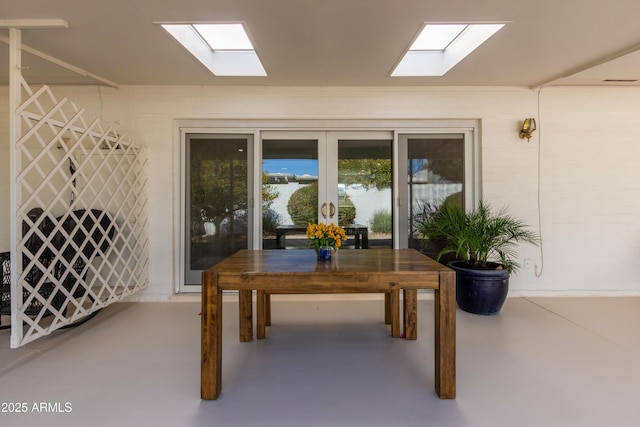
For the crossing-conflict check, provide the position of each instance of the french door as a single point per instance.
(333, 177)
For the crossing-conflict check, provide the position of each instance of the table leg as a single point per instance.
(395, 312)
(445, 336)
(211, 338)
(267, 309)
(387, 308)
(410, 314)
(246, 315)
(260, 307)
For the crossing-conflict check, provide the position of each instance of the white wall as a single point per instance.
(585, 149)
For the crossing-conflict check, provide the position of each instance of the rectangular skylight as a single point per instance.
(439, 47)
(224, 48)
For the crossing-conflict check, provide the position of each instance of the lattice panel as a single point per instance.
(81, 213)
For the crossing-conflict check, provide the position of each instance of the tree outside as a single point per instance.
(369, 173)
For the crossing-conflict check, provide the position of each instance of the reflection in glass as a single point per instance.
(289, 191)
(435, 173)
(217, 191)
(364, 188)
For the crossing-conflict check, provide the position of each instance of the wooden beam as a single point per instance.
(15, 131)
(33, 23)
(62, 63)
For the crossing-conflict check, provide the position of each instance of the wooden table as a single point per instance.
(374, 270)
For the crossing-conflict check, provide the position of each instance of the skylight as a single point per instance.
(225, 49)
(439, 47)
(437, 37)
(224, 36)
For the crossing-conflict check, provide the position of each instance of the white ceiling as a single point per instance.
(333, 42)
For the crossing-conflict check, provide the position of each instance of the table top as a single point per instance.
(343, 261)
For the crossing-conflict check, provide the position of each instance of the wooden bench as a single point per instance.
(360, 233)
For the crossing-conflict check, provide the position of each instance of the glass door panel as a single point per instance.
(217, 194)
(435, 172)
(290, 190)
(364, 191)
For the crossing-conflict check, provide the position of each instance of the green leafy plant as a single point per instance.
(369, 173)
(346, 210)
(270, 220)
(303, 205)
(218, 192)
(482, 238)
(381, 221)
(269, 193)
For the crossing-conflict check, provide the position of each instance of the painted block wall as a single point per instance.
(584, 157)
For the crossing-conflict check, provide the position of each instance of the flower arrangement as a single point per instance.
(325, 236)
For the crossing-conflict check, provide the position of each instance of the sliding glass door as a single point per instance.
(434, 168)
(217, 189)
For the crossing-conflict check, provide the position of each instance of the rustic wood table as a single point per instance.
(375, 270)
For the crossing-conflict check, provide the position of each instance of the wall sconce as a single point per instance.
(528, 127)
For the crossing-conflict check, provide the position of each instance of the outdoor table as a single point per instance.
(375, 270)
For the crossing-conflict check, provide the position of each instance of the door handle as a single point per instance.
(324, 210)
(332, 210)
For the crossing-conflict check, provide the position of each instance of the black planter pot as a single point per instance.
(433, 248)
(480, 291)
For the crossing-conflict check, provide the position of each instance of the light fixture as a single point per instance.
(528, 127)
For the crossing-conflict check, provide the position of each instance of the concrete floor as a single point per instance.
(541, 362)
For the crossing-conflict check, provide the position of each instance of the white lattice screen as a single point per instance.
(81, 216)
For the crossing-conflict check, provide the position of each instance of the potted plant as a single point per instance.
(483, 242)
